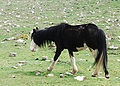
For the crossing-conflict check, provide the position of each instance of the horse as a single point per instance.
(72, 37)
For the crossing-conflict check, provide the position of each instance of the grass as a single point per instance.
(19, 17)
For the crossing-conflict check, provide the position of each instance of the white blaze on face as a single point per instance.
(33, 46)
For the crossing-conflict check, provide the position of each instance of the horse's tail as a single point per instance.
(102, 50)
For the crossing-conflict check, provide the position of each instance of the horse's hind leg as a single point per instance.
(97, 69)
(75, 69)
(94, 52)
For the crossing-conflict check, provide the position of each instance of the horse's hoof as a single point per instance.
(74, 71)
(94, 75)
(49, 69)
(107, 76)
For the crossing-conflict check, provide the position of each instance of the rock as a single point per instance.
(61, 75)
(19, 64)
(47, 60)
(118, 37)
(20, 41)
(14, 67)
(87, 54)
(51, 23)
(67, 73)
(22, 62)
(12, 54)
(50, 75)
(65, 21)
(107, 27)
(113, 47)
(79, 78)
(118, 60)
(2, 42)
(16, 44)
(13, 76)
(38, 73)
(45, 22)
(18, 16)
(44, 57)
(101, 78)
(37, 59)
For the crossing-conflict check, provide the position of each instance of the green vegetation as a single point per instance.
(19, 17)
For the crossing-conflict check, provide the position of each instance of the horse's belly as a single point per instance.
(81, 48)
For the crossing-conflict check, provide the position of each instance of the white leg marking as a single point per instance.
(50, 68)
(97, 69)
(94, 53)
(75, 69)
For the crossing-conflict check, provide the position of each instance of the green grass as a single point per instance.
(21, 16)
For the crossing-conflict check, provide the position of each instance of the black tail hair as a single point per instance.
(102, 49)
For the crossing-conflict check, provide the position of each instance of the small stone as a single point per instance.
(2, 42)
(16, 44)
(51, 23)
(107, 27)
(65, 21)
(22, 62)
(14, 67)
(19, 64)
(61, 75)
(37, 73)
(44, 57)
(45, 22)
(118, 37)
(12, 55)
(113, 47)
(87, 54)
(79, 78)
(47, 60)
(101, 77)
(13, 76)
(50, 75)
(118, 60)
(8, 30)
(67, 73)
(20, 41)
(37, 59)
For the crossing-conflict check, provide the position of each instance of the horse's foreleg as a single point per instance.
(57, 54)
(50, 68)
(75, 69)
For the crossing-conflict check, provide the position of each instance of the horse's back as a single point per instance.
(76, 36)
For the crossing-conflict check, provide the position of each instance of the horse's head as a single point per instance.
(33, 45)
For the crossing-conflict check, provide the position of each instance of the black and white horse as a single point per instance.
(72, 37)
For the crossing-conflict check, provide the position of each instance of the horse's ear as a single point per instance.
(37, 28)
(34, 31)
